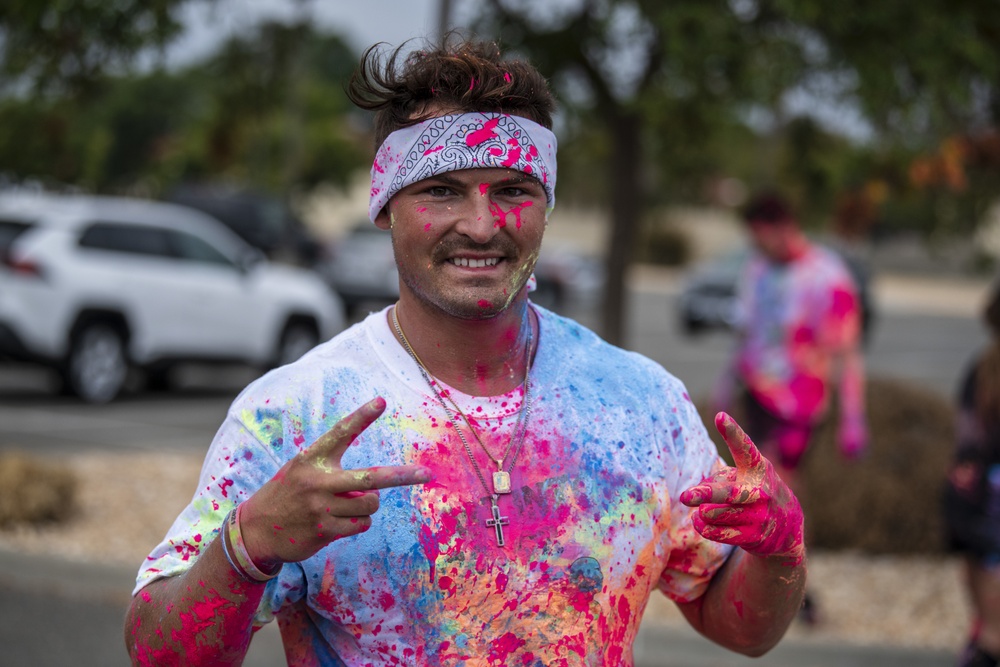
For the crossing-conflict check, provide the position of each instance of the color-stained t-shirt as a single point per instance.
(795, 318)
(593, 524)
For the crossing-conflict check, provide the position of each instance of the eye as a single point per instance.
(438, 190)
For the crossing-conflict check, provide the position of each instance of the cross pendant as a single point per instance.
(497, 522)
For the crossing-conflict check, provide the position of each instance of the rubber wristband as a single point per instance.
(240, 552)
(224, 540)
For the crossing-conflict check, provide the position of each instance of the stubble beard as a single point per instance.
(472, 301)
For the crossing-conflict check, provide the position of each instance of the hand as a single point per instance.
(852, 440)
(748, 505)
(312, 501)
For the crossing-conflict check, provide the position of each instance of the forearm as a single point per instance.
(852, 388)
(750, 603)
(202, 617)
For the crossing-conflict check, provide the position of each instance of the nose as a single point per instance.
(477, 218)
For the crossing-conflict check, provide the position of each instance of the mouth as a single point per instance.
(474, 263)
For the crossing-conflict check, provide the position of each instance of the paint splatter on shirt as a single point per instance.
(593, 529)
(796, 318)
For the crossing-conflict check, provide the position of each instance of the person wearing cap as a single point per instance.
(466, 478)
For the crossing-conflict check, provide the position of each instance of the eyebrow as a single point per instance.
(518, 178)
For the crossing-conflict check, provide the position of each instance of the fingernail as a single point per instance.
(423, 476)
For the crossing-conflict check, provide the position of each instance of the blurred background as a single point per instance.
(227, 120)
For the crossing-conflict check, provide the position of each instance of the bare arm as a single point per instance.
(753, 598)
(205, 616)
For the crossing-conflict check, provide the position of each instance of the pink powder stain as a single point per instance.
(484, 188)
(501, 582)
(223, 485)
(378, 167)
(386, 601)
(485, 134)
(506, 77)
(146, 597)
(427, 227)
(483, 303)
(429, 151)
(843, 303)
(513, 155)
(502, 647)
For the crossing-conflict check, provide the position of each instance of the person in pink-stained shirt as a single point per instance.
(799, 347)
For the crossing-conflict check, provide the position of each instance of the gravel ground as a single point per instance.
(127, 502)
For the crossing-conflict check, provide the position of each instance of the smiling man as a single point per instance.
(465, 478)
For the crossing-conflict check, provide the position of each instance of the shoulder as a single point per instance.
(574, 353)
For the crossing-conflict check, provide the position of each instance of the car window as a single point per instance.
(126, 238)
(190, 247)
(10, 230)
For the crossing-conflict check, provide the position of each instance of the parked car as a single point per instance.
(263, 220)
(93, 286)
(361, 268)
(707, 299)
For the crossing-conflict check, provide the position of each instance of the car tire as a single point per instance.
(297, 338)
(97, 364)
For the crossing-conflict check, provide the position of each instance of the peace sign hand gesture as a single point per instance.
(312, 501)
(747, 505)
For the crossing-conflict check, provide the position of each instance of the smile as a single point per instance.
(474, 263)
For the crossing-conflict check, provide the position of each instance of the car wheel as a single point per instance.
(297, 339)
(97, 366)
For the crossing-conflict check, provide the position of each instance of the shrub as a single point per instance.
(34, 492)
(888, 502)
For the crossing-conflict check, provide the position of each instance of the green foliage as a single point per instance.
(64, 45)
(268, 110)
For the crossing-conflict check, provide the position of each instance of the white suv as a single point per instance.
(92, 285)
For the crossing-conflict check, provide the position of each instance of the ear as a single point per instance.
(384, 220)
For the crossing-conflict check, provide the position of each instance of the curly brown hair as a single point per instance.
(465, 75)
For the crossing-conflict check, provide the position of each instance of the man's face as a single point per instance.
(466, 241)
(773, 239)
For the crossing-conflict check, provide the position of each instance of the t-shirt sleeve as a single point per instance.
(693, 559)
(236, 465)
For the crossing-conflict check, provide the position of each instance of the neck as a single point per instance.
(478, 357)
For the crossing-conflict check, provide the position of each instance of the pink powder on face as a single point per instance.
(483, 303)
(484, 188)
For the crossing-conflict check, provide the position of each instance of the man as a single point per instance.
(799, 322)
(465, 478)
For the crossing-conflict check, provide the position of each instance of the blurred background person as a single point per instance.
(972, 493)
(798, 345)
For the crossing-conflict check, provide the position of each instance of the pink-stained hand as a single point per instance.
(852, 441)
(747, 505)
(313, 501)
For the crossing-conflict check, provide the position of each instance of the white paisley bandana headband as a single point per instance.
(463, 141)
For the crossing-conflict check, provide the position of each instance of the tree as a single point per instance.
(48, 45)
(640, 66)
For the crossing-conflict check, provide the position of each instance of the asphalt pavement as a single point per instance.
(57, 613)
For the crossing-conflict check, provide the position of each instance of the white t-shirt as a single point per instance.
(593, 522)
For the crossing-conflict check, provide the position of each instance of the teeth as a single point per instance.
(475, 263)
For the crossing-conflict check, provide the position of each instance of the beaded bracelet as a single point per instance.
(236, 550)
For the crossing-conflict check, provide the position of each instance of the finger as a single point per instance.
(746, 456)
(330, 447)
(721, 514)
(382, 477)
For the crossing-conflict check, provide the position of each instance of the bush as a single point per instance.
(889, 502)
(34, 492)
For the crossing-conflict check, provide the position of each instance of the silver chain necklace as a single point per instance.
(501, 478)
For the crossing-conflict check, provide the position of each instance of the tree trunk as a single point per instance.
(626, 205)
